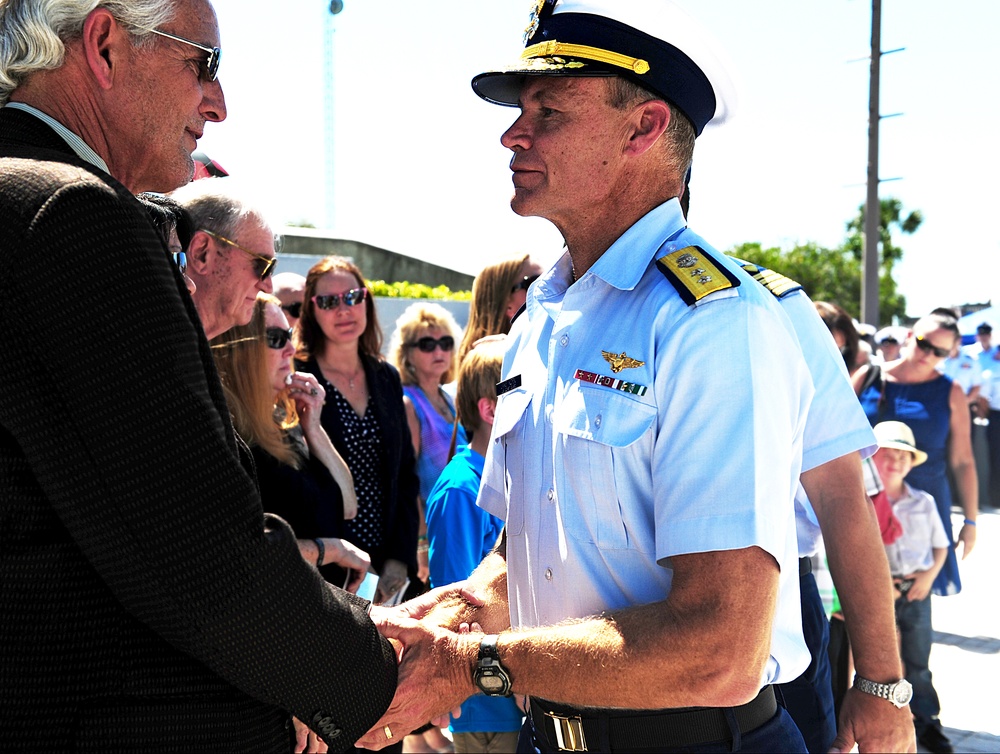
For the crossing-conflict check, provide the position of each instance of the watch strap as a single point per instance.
(490, 675)
(488, 648)
(884, 690)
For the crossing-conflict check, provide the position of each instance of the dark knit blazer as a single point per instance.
(146, 601)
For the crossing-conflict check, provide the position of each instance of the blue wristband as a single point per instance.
(969, 522)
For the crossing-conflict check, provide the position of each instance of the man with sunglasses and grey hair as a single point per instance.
(232, 253)
(146, 601)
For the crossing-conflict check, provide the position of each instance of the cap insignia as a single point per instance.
(534, 19)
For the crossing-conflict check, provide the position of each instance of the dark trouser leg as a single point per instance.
(809, 698)
(981, 454)
(840, 663)
(914, 621)
(993, 438)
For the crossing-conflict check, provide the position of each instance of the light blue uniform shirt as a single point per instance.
(602, 483)
(964, 369)
(836, 424)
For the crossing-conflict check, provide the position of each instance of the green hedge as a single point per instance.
(416, 290)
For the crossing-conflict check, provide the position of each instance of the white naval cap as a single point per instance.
(650, 42)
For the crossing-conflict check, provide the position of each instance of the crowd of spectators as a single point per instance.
(375, 461)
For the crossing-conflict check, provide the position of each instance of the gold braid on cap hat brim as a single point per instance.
(553, 48)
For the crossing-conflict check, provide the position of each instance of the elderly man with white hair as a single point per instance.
(146, 600)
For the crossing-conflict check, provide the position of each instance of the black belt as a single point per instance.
(805, 567)
(570, 729)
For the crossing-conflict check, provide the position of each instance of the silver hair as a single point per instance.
(218, 205)
(33, 33)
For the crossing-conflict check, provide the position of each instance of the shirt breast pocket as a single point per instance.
(509, 426)
(604, 445)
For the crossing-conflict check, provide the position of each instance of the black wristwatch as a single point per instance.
(490, 675)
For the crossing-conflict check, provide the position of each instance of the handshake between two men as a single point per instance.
(437, 637)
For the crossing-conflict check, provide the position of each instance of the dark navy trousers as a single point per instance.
(809, 698)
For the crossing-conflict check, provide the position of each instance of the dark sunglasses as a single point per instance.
(277, 337)
(294, 310)
(262, 266)
(525, 283)
(210, 65)
(926, 345)
(352, 297)
(427, 344)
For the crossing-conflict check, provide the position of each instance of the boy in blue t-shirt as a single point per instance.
(460, 535)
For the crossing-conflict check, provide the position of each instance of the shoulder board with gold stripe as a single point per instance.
(694, 273)
(778, 284)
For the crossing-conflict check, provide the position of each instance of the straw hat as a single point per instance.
(900, 436)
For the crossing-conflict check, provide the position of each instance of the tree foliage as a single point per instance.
(835, 274)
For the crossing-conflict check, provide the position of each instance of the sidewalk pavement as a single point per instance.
(965, 658)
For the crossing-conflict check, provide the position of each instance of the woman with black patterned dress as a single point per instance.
(339, 341)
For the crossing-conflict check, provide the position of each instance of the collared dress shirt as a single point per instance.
(693, 445)
(922, 532)
(964, 369)
(836, 424)
(82, 149)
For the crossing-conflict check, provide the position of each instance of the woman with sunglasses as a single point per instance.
(911, 390)
(276, 412)
(339, 341)
(423, 350)
(498, 293)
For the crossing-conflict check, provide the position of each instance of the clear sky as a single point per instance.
(418, 167)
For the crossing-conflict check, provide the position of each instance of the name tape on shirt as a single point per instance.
(509, 384)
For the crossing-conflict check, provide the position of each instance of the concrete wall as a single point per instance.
(304, 247)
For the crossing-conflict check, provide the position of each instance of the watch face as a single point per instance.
(491, 683)
(902, 692)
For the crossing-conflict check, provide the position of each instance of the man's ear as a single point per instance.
(106, 45)
(651, 120)
(487, 409)
(199, 253)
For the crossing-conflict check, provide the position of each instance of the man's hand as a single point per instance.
(873, 724)
(421, 606)
(435, 675)
(307, 742)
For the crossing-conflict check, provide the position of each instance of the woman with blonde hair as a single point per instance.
(422, 348)
(276, 412)
(498, 293)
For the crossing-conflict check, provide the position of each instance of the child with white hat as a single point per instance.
(914, 559)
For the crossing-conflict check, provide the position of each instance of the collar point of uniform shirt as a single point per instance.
(651, 230)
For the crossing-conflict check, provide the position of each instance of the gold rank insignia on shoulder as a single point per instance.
(620, 361)
(695, 274)
(778, 284)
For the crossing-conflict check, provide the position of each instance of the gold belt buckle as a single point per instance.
(569, 732)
